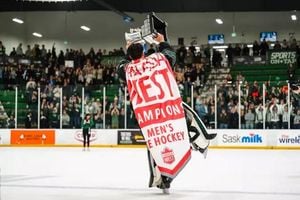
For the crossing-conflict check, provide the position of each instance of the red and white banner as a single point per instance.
(157, 105)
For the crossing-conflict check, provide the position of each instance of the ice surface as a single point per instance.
(121, 173)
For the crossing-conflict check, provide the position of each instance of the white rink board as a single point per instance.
(74, 137)
(227, 138)
(4, 137)
(288, 138)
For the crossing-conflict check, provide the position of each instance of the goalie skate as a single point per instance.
(166, 191)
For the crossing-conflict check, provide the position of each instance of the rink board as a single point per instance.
(226, 139)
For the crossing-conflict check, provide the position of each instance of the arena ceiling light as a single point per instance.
(219, 21)
(85, 28)
(17, 20)
(294, 17)
(37, 34)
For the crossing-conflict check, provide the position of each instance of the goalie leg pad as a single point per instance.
(199, 137)
(156, 179)
(155, 175)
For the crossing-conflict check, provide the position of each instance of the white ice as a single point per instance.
(119, 173)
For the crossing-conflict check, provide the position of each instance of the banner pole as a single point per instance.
(82, 103)
(61, 108)
(288, 104)
(16, 108)
(239, 106)
(192, 96)
(125, 108)
(264, 106)
(104, 94)
(216, 110)
(39, 108)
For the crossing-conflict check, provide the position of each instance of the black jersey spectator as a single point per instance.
(2, 49)
(237, 50)
(245, 50)
(256, 48)
(229, 53)
(181, 54)
(277, 46)
(264, 47)
(13, 53)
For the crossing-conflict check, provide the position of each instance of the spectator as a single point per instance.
(216, 59)
(256, 48)
(274, 116)
(268, 123)
(122, 118)
(11, 122)
(291, 72)
(201, 107)
(75, 112)
(277, 46)
(243, 121)
(285, 118)
(181, 54)
(61, 59)
(65, 118)
(223, 119)
(98, 120)
(249, 118)
(13, 53)
(19, 50)
(285, 45)
(28, 52)
(245, 50)
(259, 117)
(237, 50)
(98, 57)
(31, 85)
(44, 123)
(3, 116)
(115, 117)
(43, 51)
(211, 117)
(28, 120)
(233, 119)
(264, 47)
(2, 49)
(189, 58)
(230, 54)
(297, 120)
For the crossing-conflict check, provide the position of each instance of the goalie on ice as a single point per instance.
(170, 127)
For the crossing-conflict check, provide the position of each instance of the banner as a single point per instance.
(242, 137)
(282, 57)
(158, 109)
(131, 137)
(32, 136)
(288, 138)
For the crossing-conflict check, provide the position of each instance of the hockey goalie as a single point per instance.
(170, 127)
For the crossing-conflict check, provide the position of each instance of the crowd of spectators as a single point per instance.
(274, 113)
(49, 73)
(258, 49)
